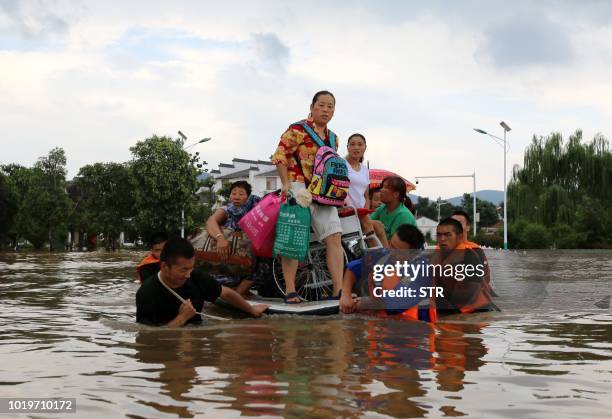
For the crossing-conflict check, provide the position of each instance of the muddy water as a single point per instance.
(67, 330)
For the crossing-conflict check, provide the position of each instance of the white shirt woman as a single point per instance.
(358, 172)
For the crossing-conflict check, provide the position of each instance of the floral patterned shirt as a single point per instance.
(296, 142)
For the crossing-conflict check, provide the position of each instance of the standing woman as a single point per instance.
(294, 159)
(359, 174)
(359, 189)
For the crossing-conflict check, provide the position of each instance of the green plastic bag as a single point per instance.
(292, 231)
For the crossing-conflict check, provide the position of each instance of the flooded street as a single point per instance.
(68, 330)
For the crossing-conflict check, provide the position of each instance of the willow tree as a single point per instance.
(565, 184)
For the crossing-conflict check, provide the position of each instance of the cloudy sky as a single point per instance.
(95, 77)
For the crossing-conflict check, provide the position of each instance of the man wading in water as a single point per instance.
(157, 306)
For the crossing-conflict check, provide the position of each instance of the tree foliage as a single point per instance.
(103, 200)
(164, 180)
(565, 187)
(427, 208)
(8, 207)
(487, 210)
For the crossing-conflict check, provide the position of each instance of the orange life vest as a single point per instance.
(483, 297)
(412, 313)
(148, 260)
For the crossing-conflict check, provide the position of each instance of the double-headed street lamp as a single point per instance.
(203, 140)
(473, 176)
(502, 142)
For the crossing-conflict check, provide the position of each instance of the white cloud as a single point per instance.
(413, 79)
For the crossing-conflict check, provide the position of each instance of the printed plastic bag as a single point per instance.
(292, 231)
(259, 224)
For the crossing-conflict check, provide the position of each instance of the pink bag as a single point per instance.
(259, 224)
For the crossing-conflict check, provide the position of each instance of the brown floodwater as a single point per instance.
(68, 330)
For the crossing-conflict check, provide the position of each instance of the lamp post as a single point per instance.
(440, 203)
(473, 176)
(503, 143)
(203, 140)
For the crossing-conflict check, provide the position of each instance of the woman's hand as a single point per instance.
(285, 190)
(223, 248)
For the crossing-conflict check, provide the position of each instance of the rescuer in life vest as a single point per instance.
(149, 266)
(394, 295)
(463, 274)
(465, 221)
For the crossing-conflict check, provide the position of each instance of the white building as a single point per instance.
(427, 225)
(261, 175)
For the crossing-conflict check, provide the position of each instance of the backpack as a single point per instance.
(330, 182)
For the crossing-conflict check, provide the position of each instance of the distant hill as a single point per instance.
(493, 196)
(490, 195)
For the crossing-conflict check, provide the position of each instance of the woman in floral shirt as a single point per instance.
(294, 159)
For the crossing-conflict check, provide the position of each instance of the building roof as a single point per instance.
(215, 172)
(268, 173)
(226, 165)
(425, 221)
(238, 174)
(253, 161)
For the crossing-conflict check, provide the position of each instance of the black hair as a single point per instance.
(409, 204)
(462, 214)
(358, 136)
(321, 93)
(456, 225)
(411, 235)
(175, 248)
(372, 191)
(241, 184)
(158, 238)
(398, 185)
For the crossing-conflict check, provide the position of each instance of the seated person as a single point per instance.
(406, 237)
(393, 213)
(464, 219)
(224, 223)
(157, 306)
(374, 195)
(149, 265)
(466, 290)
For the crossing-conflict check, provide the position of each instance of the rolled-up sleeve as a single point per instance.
(287, 146)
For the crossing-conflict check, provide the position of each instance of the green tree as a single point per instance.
(48, 199)
(18, 179)
(164, 180)
(103, 200)
(487, 210)
(428, 208)
(565, 183)
(41, 199)
(8, 208)
(425, 208)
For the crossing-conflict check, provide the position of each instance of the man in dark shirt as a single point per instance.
(157, 306)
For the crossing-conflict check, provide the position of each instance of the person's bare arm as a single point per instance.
(347, 303)
(232, 297)
(213, 227)
(284, 176)
(217, 219)
(186, 311)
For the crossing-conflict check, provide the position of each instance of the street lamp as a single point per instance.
(440, 203)
(502, 142)
(473, 176)
(203, 140)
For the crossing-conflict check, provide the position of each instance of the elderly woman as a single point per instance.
(223, 224)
